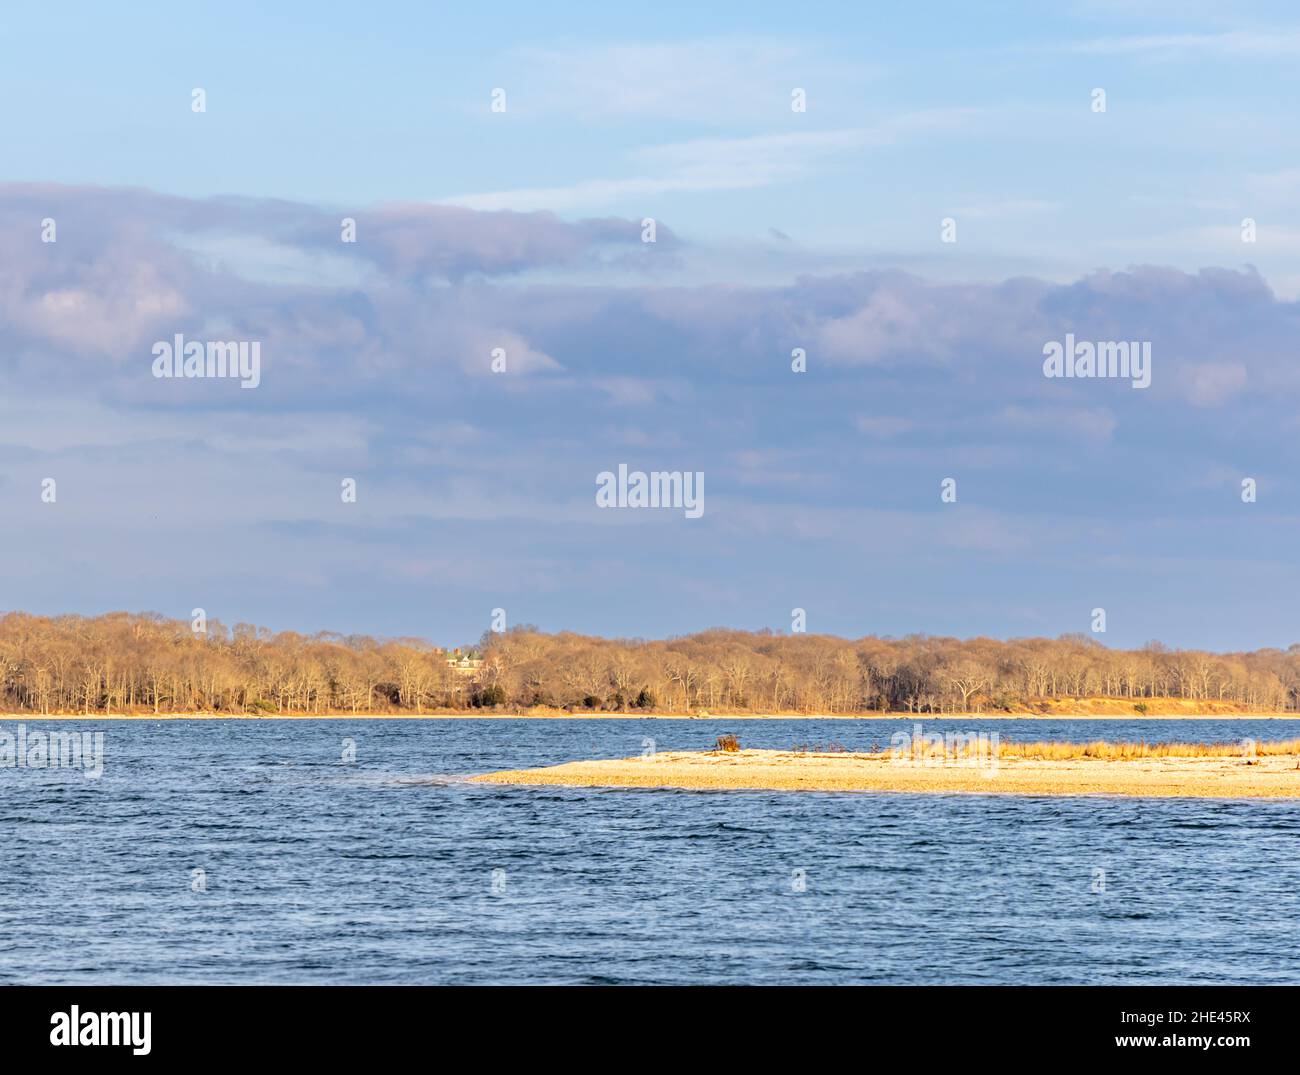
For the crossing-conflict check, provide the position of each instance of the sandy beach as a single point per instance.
(1200, 777)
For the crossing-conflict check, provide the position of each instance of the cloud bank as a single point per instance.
(476, 483)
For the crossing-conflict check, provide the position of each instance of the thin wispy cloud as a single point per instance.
(723, 164)
(703, 81)
(1240, 44)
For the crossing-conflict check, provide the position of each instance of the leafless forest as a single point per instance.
(125, 663)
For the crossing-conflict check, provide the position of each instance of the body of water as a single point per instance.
(262, 851)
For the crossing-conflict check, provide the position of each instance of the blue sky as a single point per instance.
(776, 229)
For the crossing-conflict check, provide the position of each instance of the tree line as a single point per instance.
(127, 663)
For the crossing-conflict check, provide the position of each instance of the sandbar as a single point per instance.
(1266, 776)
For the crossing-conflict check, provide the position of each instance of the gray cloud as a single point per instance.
(189, 489)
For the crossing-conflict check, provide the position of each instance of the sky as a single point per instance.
(915, 198)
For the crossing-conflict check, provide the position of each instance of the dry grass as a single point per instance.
(728, 744)
(1130, 751)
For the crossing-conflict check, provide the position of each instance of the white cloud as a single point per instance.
(1252, 44)
(697, 165)
(711, 164)
(1096, 423)
(703, 81)
(884, 426)
(1006, 207)
(1211, 384)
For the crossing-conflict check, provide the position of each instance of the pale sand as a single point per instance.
(778, 770)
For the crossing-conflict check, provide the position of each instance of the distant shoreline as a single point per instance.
(144, 664)
(920, 718)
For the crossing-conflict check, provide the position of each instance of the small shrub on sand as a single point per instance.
(728, 744)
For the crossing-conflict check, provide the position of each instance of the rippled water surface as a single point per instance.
(383, 870)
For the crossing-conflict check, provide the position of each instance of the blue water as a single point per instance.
(383, 870)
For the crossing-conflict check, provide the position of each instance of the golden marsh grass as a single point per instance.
(1106, 751)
